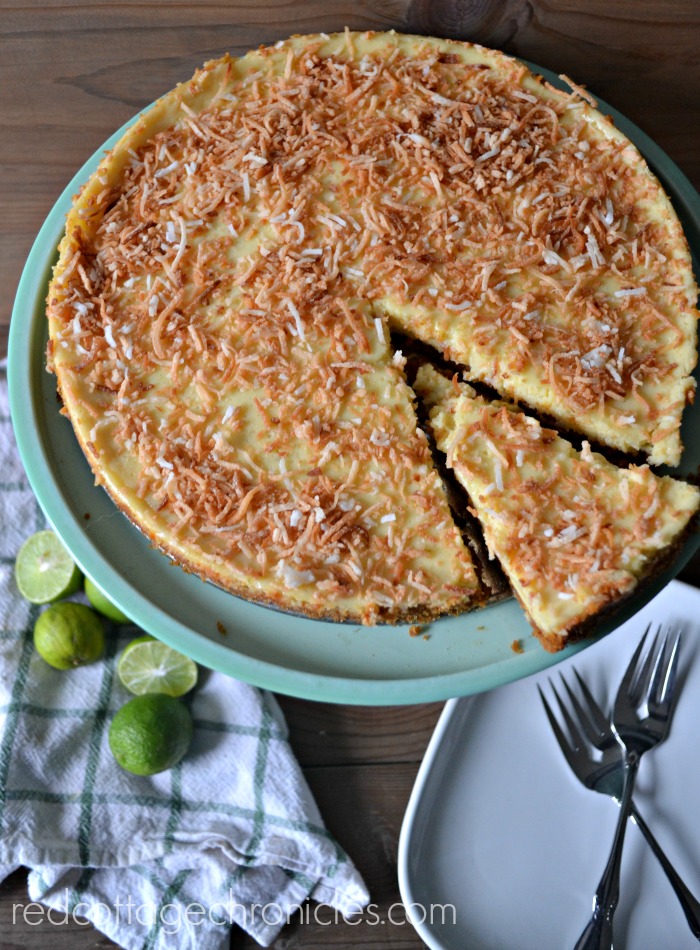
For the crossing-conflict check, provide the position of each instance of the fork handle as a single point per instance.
(598, 932)
(689, 904)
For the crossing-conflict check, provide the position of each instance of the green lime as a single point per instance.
(68, 635)
(149, 666)
(103, 604)
(150, 734)
(44, 570)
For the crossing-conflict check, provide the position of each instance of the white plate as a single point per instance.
(499, 828)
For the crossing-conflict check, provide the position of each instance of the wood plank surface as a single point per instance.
(72, 73)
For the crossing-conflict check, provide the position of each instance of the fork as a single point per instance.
(640, 720)
(605, 775)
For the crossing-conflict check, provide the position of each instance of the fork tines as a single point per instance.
(653, 680)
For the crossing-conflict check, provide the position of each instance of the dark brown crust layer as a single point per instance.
(490, 572)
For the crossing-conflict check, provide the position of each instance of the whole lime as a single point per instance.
(103, 604)
(150, 734)
(68, 635)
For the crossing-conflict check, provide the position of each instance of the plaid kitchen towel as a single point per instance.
(230, 835)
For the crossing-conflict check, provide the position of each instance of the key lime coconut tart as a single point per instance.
(221, 321)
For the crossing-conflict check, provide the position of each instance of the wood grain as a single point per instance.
(326, 734)
(490, 22)
(73, 72)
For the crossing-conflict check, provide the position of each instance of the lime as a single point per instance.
(44, 570)
(149, 666)
(68, 635)
(150, 734)
(103, 604)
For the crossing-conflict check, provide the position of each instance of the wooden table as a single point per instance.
(71, 73)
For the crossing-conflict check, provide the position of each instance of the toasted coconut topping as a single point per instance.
(222, 299)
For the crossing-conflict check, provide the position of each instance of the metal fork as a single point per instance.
(588, 725)
(640, 720)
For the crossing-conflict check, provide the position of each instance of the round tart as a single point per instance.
(220, 314)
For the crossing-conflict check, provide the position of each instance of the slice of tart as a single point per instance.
(574, 533)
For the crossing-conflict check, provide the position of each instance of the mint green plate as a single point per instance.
(289, 654)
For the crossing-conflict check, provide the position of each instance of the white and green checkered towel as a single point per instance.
(230, 835)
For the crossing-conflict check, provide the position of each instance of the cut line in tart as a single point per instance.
(221, 310)
(574, 533)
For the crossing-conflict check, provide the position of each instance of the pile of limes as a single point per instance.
(152, 731)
